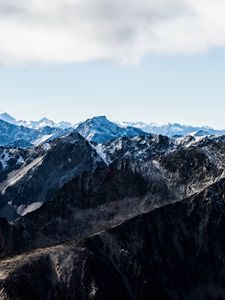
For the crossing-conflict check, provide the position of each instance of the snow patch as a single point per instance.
(99, 149)
(15, 176)
(4, 159)
(23, 209)
(42, 139)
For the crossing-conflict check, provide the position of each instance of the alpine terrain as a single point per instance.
(101, 210)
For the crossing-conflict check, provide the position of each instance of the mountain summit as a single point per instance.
(7, 118)
(100, 130)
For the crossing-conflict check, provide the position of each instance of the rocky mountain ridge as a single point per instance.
(97, 129)
(100, 130)
(150, 172)
(34, 183)
(139, 216)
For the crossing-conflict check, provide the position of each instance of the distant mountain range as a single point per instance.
(43, 123)
(97, 129)
(20, 136)
(174, 129)
(169, 129)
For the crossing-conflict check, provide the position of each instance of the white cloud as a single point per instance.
(61, 31)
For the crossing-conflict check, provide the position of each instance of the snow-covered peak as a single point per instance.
(101, 130)
(37, 124)
(64, 125)
(44, 122)
(99, 121)
(7, 118)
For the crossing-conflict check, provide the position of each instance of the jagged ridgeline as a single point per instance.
(102, 211)
(97, 129)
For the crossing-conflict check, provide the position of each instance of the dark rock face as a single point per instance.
(174, 252)
(19, 285)
(5, 232)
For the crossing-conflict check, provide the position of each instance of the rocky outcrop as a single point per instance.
(37, 182)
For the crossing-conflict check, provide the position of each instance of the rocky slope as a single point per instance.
(173, 252)
(12, 159)
(156, 172)
(26, 188)
(135, 218)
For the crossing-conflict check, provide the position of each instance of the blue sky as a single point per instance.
(183, 88)
(154, 61)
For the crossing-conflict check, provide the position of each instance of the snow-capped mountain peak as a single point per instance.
(100, 130)
(7, 118)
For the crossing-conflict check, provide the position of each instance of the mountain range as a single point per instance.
(92, 129)
(107, 211)
(173, 130)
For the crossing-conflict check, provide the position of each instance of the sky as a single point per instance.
(153, 61)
